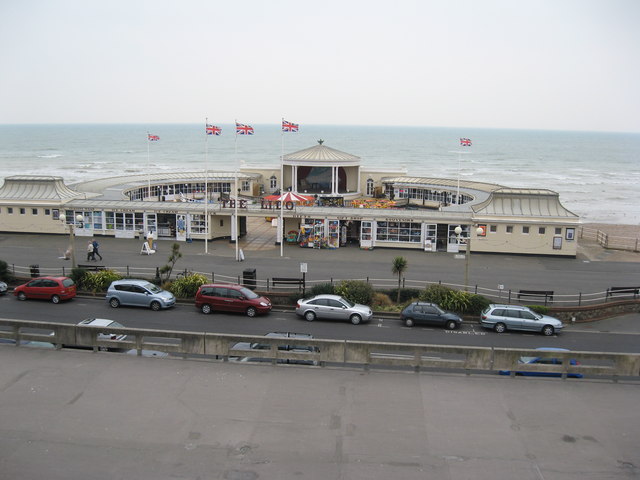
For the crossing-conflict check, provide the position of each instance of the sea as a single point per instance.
(596, 174)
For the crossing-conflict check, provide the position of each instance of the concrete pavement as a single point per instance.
(568, 276)
(79, 415)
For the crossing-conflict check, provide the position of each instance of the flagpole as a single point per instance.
(235, 203)
(281, 229)
(206, 186)
(458, 192)
(148, 168)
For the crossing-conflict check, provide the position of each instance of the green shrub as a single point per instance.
(541, 309)
(457, 301)
(99, 281)
(477, 305)
(435, 293)
(355, 290)
(78, 275)
(4, 271)
(320, 289)
(187, 286)
(381, 300)
(406, 294)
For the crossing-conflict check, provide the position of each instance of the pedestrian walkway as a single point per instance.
(69, 415)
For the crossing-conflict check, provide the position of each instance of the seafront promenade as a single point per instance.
(594, 270)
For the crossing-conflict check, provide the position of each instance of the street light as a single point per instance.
(467, 255)
(79, 219)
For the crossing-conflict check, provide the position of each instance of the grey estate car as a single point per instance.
(333, 307)
(515, 317)
(140, 293)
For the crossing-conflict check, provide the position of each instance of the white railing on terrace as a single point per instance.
(296, 285)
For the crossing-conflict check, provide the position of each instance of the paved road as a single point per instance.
(612, 335)
(77, 415)
(566, 276)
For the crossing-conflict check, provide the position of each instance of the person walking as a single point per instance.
(90, 254)
(95, 249)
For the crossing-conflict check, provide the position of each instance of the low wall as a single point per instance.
(320, 352)
(595, 312)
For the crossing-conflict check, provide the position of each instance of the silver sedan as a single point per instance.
(333, 307)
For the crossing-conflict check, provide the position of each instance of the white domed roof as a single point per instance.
(319, 154)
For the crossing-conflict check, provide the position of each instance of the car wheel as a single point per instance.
(251, 312)
(22, 296)
(55, 299)
(547, 330)
(451, 325)
(355, 319)
(114, 302)
(206, 309)
(155, 306)
(500, 327)
(309, 316)
(409, 322)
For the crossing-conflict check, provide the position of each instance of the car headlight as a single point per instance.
(264, 304)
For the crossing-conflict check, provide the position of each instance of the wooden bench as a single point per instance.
(547, 294)
(93, 268)
(288, 281)
(623, 290)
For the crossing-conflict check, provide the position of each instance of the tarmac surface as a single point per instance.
(594, 270)
(81, 415)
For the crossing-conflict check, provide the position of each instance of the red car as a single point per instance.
(231, 298)
(47, 288)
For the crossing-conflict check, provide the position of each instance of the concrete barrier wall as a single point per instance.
(321, 352)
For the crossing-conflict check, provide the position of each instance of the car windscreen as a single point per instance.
(348, 302)
(152, 288)
(250, 294)
(67, 282)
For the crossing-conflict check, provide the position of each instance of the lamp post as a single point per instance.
(79, 219)
(467, 254)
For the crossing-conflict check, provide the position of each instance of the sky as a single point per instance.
(525, 64)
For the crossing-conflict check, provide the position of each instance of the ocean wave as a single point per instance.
(53, 155)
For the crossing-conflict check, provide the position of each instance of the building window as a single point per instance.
(273, 182)
(509, 228)
(558, 231)
(47, 211)
(493, 228)
(23, 211)
(525, 230)
(369, 187)
(245, 185)
(34, 211)
(10, 210)
(542, 230)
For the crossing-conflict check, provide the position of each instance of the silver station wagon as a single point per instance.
(333, 307)
(515, 317)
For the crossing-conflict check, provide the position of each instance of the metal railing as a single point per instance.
(613, 242)
(222, 347)
(505, 295)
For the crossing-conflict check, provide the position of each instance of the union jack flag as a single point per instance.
(289, 127)
(465, 142)
(243, 129)
(213, 130)
(153, 138)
